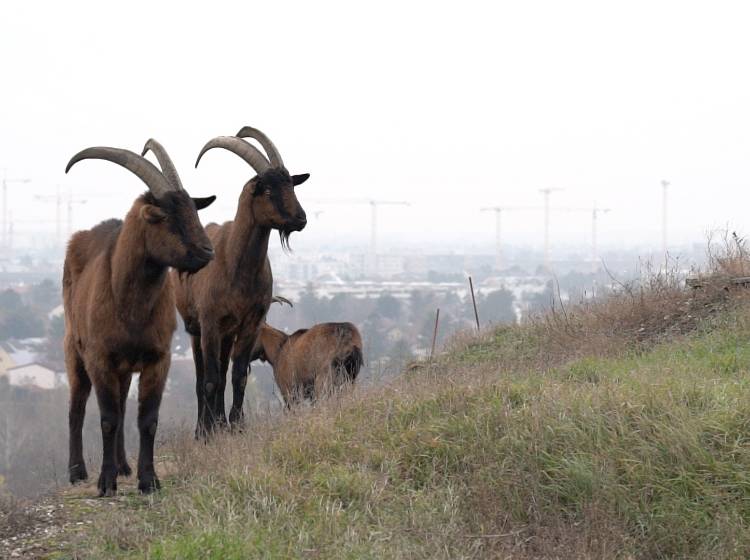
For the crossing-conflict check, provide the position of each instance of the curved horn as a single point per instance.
(245, 150)
(165, 162)
(140, 166)
(281, 301)
(273, 153)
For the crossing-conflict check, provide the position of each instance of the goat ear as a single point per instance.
(299, 179)
(152, 214)
(201, 203)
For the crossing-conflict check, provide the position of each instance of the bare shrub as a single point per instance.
(627, 316)
(728, 256)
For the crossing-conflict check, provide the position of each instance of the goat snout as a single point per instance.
(205, 252)
(300, 220)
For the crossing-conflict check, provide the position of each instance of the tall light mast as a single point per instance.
(664, 188)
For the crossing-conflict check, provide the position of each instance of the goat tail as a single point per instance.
(353, 362)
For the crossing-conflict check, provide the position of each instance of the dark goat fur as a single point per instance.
(224, 304)
(311, 362)
(119, 319)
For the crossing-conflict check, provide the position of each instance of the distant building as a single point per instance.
(310, 268)
(56, 312)
(6, 360)
(368, 265)
(32, 375)
(20, 352)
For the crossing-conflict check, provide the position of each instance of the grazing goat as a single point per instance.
(310, 362)
(119, 310)
(224, 304)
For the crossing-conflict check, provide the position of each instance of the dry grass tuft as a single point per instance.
(728, 257)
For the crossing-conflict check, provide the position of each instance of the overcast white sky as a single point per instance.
(451, 106)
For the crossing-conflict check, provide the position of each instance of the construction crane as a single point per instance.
(70, 202)
(10, 233)
(664, 187)
(374, 220)
(12, 229)
(6, 222)
(32, 231)
(58, 200)
(373, 213)
(546, 192)
(595, 211)
(594, 217)
(498, 210)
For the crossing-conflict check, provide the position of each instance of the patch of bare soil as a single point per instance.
(48, 527)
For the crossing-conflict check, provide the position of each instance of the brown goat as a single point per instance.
(119, 310)
(224, 304)
(311, 362)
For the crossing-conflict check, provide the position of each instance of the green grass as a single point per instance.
(631, 453)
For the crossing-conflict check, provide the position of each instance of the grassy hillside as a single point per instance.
(615, 430)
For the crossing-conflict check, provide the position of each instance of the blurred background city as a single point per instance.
(548, 166)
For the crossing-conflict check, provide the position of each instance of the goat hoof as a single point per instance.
(200, 431)
(124, 469)
(78, 473)
(107, 484)
(216, 426)
(203, 432)
(148, 484)
(237, 423)
(201, 435)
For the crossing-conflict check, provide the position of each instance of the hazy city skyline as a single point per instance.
(488, 105)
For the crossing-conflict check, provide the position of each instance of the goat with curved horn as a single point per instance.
(273, 153)
(146, 171)
(224, 305)
(119, 312)
(252, 155)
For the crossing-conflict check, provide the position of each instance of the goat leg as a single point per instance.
(108, 396)
(240, 371)
(80, 389)
(150, 389)
(226, 348)
(123, 468)
(200, 394)
(211, 346)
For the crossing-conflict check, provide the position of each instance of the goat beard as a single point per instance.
(284, 238)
